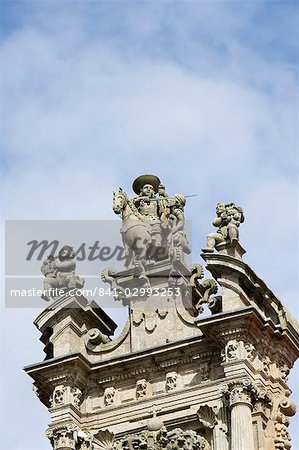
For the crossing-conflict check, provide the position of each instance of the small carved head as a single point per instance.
(180, 200)
(204, 370)
(141, 388)
(232, 349)
(66, 252)
(147, 190)
(161, 190)
(58, 396)
(220, 208)
(171, 381)
(109, 396)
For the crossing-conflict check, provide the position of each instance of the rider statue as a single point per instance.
(146, 186)
(161, 215)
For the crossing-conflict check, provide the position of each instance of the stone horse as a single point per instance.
(135, 231)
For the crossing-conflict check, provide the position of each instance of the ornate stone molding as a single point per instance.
(286, 408)
(276, 433)
(203, 357)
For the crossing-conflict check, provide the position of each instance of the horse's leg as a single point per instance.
(129, 255)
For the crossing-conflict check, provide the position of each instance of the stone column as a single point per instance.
(240, 401)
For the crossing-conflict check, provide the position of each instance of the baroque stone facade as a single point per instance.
(172, 379)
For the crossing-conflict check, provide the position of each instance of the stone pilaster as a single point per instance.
(220, 438)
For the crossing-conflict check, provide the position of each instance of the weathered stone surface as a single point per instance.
(228, 219)
(59, 274)
(172, 379)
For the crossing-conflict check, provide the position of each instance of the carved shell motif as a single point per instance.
(206, 416)
(103, 440)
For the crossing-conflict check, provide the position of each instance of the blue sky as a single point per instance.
(204, 94)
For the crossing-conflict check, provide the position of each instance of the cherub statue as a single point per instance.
(228, 219)
(59, 272)
(235, 217)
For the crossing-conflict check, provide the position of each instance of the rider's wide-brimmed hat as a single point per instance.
(142, 180)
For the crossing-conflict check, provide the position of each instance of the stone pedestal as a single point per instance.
(76, 316)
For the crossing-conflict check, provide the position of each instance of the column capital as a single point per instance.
(240, 391)
(63, 437)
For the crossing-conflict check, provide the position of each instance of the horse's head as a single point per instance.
(119, 201)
